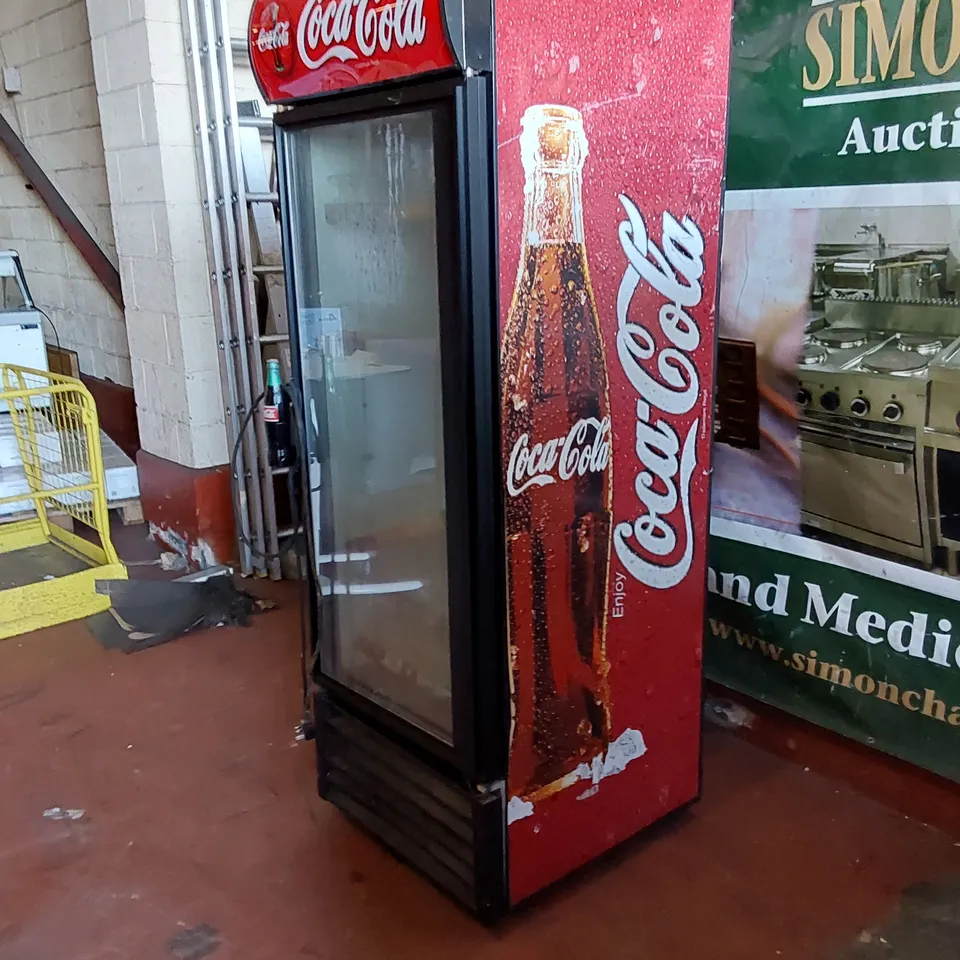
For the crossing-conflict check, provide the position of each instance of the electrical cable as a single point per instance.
(307, 651)
(235, 473)
(297, 516)
(56, 332)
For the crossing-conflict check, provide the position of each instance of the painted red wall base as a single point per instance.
(892, 782)
(189, 511)
(117, 412)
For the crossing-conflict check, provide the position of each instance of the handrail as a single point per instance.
(80, 237)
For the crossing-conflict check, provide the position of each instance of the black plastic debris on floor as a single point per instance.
(147, 613)
(194, 943)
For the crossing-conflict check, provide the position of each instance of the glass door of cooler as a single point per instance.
(374, 266)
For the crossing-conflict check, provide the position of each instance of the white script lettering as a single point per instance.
(675, 273)
(586, 448)
(274, 39)
(328, 27)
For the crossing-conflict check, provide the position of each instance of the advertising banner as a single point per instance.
(832, 94)
(610, 142)
(865, 649)
(839, 313)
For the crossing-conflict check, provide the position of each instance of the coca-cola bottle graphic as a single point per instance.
(274, 37)
(557, 458)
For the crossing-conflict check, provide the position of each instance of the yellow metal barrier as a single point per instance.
(58, 437)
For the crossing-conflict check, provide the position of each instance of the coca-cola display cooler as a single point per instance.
(501, 276)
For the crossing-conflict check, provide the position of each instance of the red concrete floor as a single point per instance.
(200, 810)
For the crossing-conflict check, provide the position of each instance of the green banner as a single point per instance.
(844, 93)
(872, 658)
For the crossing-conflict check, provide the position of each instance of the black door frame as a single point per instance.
(465, 154)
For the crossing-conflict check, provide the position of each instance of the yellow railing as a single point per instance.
(55, 423)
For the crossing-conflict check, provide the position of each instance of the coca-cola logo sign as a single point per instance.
(275, 38)
(301, 49)
(270, 37)
(586, 448)
(345, 29)
(666, 461)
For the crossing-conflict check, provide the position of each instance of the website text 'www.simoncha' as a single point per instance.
(923, 701)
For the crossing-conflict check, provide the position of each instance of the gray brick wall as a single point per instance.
(57, 116)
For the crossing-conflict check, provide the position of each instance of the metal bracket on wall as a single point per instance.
(80, 237)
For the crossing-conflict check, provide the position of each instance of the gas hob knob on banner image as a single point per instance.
(803, 397)
(892, 412)
(860, 406)
(830, 401)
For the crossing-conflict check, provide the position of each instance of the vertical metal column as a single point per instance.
(213, 90)
(241, 227)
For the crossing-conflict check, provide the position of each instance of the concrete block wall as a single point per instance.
(58, 119)
(152, 169)
(238, 15)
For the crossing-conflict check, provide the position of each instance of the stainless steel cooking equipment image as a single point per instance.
(879, 425)
(878, 270)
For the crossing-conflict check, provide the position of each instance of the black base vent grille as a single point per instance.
(452, 836)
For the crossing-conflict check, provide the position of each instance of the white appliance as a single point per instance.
(21, 324)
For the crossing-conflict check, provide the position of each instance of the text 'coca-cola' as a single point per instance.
(663, 481)
(585, 448)
(345, 29)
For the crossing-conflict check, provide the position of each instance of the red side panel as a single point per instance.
(305, 48)
(649, 82)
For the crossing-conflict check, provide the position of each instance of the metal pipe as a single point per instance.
(264, 123)
(221, 306)
(221, 119)
(240, 217)
(240, 50)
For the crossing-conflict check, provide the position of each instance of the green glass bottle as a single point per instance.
(276, 418)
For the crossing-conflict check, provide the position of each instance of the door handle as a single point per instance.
(899, 463)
